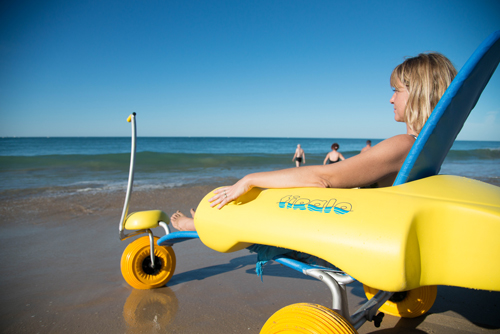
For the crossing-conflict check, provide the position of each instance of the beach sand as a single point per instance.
(61, 273)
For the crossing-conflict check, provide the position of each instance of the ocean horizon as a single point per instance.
(68, 165)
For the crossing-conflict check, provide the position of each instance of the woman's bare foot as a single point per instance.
(183, 223)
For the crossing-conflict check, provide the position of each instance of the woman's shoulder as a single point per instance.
(397, 145)
(399, 140)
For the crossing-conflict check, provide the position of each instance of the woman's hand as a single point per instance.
(228, 194)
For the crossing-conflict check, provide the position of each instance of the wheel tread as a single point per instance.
(131, 264)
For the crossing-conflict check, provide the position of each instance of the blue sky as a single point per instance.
(227, 68)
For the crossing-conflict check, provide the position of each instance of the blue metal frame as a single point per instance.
(176, 237)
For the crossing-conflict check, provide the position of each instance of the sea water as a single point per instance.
(56, 166)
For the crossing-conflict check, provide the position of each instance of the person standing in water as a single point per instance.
(333, 156)
(367, 147)
(299, 156)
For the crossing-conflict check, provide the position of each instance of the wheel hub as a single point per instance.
(149, 269)
(398, 296)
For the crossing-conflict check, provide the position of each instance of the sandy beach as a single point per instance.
(61, 273)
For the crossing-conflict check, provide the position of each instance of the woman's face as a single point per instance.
(399, 99)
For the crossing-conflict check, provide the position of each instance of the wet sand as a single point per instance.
(61, 273)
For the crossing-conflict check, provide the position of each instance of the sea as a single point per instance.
(66, 166)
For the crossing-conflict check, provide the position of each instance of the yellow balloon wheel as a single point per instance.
(307, 318)
(136, 264)
(407, 304)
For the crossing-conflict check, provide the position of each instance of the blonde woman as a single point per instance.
(418, 84)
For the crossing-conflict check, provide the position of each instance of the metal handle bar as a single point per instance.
(131, 119)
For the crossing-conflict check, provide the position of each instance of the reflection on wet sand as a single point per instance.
(150, 311)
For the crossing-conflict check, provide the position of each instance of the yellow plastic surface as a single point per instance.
(305, 318)
(441, 230)
(145, 219)
(129, 119)
(417, 302)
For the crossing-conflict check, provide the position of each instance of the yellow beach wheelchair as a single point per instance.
(400, 242)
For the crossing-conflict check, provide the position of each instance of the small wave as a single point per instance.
(154, 161)
(477, 154)
(86, 174)
(85, 190)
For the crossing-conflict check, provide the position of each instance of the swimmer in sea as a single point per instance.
(418, 84)
(333, 156)
(299, 156)
(367, 147)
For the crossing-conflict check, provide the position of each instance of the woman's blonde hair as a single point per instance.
(426, 77)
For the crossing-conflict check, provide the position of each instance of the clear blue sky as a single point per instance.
(227, 68)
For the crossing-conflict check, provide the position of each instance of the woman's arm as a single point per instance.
(381, 163)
